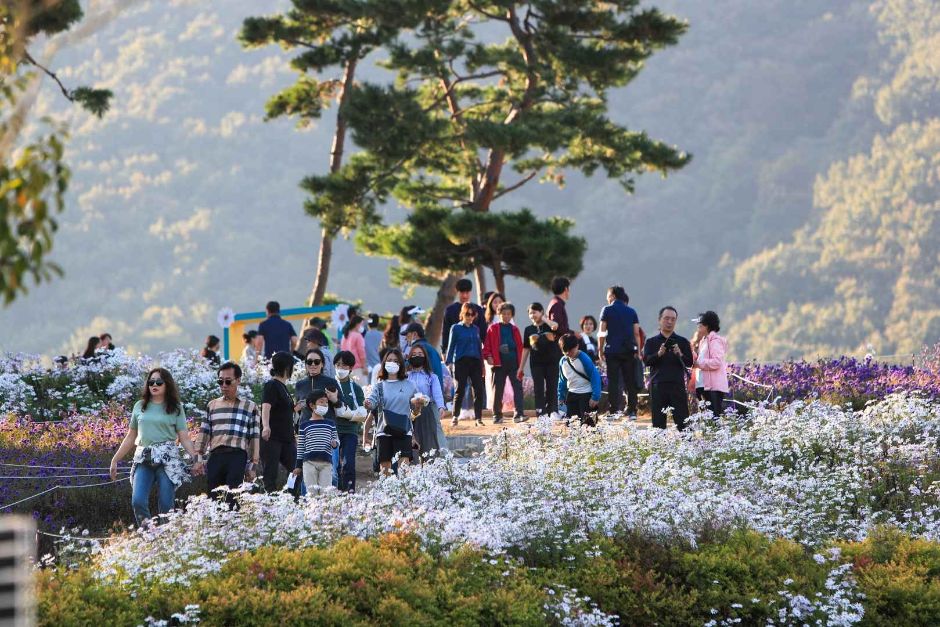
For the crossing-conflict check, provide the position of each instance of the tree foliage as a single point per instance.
(331, 36)
(865, 267)
(491, 96)
(33, 176)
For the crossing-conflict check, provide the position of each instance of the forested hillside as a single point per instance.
(864, 268)
(805, 218)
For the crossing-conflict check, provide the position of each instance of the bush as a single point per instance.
(744, 578)
(354, 582)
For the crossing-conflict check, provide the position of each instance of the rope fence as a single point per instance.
(61, 487)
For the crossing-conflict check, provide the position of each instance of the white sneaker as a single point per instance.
(614, 417)
(557, 416)
(632, 417)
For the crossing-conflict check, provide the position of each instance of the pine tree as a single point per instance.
(331, 36)
(533, 104)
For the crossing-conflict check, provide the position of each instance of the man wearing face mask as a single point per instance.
(414, 333)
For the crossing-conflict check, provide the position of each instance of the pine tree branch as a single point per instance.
(492, 16)
(65, 92)
(516, 185)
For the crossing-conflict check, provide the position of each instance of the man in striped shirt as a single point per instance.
(231, 433)
(315, 443)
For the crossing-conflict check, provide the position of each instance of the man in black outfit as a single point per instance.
(669, 356)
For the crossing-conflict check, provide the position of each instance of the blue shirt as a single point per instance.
(464, 341)
(452, 319)
(620, 319)
(373, 340)
(315, 441)
(578, 375)
(277, 333)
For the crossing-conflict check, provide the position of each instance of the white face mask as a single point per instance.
(363, 329)
(391, 367)
(342, 373)
(321, 410)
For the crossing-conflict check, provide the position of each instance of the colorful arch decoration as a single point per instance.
(232, 344)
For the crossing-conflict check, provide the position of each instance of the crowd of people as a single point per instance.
(388, 390)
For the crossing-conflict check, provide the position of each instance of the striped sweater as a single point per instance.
(316, 441)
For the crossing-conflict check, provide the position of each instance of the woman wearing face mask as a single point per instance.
(393, 399)
(355, 343)
(427, 425)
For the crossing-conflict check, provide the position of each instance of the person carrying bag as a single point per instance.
(393, 399)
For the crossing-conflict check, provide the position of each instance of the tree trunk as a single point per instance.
(479, 276)
(445, 296)
(500, 279)
(336, 162)
(323, 268)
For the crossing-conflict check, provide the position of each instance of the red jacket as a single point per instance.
(493, 340)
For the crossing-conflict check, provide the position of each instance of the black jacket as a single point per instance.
(669, 368)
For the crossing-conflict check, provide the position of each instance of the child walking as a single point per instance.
(315, 443)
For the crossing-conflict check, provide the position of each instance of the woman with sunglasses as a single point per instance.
(157, 421)
(465, 354)
(317, 379)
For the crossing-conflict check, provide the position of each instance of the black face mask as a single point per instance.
(417, 361)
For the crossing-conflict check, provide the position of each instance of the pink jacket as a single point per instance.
(355, 344)
(711, 361)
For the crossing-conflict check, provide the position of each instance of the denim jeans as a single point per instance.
(144, 478)
(336, 467)
(348, 443)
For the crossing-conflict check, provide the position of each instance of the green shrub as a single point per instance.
(900, 577)
(355, 582)
(391, 581)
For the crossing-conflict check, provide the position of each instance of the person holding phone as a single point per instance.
(669, 356)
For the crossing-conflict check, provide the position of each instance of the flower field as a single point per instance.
(821, 509)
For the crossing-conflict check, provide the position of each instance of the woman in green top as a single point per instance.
(157, 420)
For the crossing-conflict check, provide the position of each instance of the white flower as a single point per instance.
(225, 317)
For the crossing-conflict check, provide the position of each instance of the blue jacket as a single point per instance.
(587, 366)
(464, 342)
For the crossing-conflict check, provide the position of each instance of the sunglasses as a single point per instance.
(314, 362)
(155, 382)
(226, 381)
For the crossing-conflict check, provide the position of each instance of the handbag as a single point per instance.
(396, 425)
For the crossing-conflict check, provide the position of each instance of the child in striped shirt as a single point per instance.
(315, 443)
